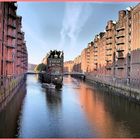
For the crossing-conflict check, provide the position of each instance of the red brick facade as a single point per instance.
(13, 51)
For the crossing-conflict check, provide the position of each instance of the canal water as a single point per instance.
(76, 110)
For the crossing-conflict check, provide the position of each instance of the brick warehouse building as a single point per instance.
(13, 51)
(68, 66)
(115, 53)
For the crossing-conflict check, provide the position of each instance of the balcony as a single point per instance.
(95, 51)
(120, 28)
(19, 36)
(109, 48)
(11, 35)
(109, 42)
(24, 52)
(9, 59)
(108, 29)
(22, 60)
(109, 54)
(119, 35)
(12, 25)
(19, 31)
(120, 41)
(120, 67)
(19, 50)
(95, 63)
(12, 12)
(18, 56)
(107, 60)
(120, 49)
(109, 37)
(120, 55)
(12, 15)
(10, 46)
(19, 43)
(108, 66)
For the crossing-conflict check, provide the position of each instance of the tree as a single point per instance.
(40, 67)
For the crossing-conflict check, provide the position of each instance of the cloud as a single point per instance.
(75, 17)
(37, 47)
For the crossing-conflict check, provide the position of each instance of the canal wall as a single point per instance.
(119, 86)
(11, 114)
(8, 87)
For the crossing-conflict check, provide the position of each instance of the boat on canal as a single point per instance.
(52, 73)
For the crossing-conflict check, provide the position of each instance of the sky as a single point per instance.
(66, 26)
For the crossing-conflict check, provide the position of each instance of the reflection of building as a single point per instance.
(100, 112)
(94, 110)
(116, 52)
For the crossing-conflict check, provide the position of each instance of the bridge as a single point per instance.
(75, 74)
(32, 72)
(72, 74)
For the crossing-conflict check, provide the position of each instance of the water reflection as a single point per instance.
(51, 114)
(9, 115)
(53, 102)
(77, 110)
(53, 98)
(112, 116)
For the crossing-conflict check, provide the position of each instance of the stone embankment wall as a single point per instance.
(9, 86)
(121, 86)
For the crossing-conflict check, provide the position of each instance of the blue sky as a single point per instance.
(67, 26)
